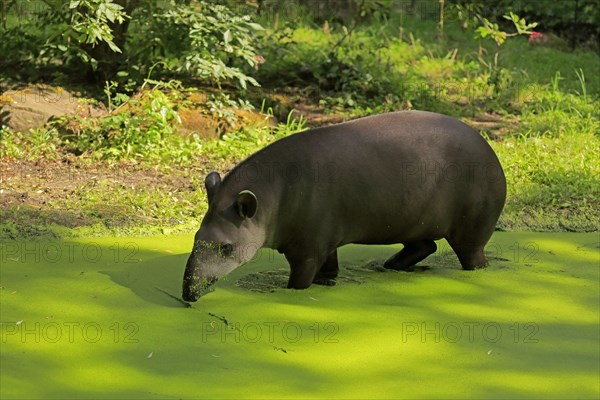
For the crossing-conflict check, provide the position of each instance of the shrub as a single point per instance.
(123, 39)
(576, 21)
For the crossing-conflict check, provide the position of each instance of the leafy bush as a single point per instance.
(124, 39)
(573, 20)
(206, 40)
(138, 127)
(42, 142)
(340, 73)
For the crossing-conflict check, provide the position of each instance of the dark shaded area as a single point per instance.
(576, 21)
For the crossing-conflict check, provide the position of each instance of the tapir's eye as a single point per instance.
(226, 249)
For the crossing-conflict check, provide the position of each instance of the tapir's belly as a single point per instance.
(387, 215)
(392, 229)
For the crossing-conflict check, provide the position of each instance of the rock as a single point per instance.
(32, 107)
(194, 120)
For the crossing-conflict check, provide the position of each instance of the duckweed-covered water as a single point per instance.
(102, 319)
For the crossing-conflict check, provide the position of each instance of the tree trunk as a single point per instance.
(109, 62)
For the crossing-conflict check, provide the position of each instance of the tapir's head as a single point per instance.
(228, 237)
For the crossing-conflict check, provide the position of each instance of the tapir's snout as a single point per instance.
(194, 287)
(224, 241)
(189, 295)
(196, 281)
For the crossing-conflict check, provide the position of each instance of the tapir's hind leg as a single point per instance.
(329, 270)
(471, 256)
(411, 254)
(469, 245)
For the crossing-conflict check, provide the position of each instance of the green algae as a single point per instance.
(84, 319)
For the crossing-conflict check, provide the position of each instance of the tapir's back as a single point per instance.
(409, 132)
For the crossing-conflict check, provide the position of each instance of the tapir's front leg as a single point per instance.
(304, 268)
(328, 271)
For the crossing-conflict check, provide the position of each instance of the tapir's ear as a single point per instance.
(246, 204)
(211, 183)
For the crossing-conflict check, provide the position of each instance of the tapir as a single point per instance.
(409, 177)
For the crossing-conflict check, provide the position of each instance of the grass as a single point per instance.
(545, 99)
(551, 163)
(553, 183)
(88, 197)
(525, 327)
(540, 63)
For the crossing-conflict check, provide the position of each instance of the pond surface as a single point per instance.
(99, 318)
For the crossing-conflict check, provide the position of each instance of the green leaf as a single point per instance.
(482, 31)
(255, 26)
(227, 36)
(113, 46)
(110, 15)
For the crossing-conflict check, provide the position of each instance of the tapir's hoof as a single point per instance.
(474, 267)
(390, 264)
(324, 281)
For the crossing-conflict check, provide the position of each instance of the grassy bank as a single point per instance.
(134, 171)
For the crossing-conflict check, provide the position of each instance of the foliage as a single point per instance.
(138, 127)
(8, 145)
(89, 22)
(207, 41)
(576, 21)
(493, 31)
(122, 39)
(37, 143)
(144, 128)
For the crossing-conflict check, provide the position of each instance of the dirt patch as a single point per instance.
(39, 183)
(265, 281)
(72, 193)
(315, 115)
(270, 281)
(494, 125)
